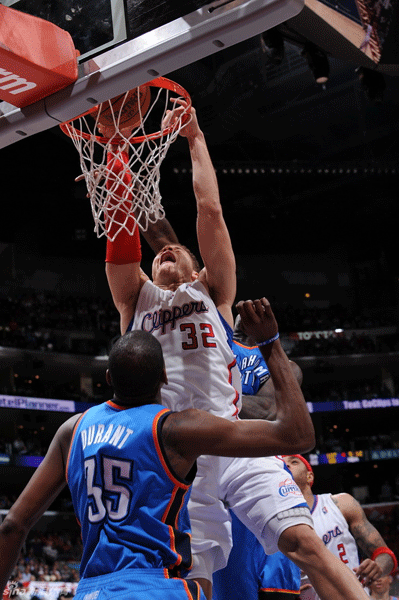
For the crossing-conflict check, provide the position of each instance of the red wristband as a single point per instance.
(125, 248)
(385, 550)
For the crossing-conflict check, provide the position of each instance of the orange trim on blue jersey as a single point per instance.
(117, 406)
(189, 594)
(170, 503)
(244, 346)
(186, 584)
(179, 556)
(179, 487)
(173, 548)
(278, 590)
(237, 397)
(70, 445)
(160, 453)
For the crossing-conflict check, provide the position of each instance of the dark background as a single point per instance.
(303, 169)
(308, 179)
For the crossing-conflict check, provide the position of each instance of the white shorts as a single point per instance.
(257, 490)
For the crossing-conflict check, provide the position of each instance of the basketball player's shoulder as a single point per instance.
(65, 433)
(202, 279)
(345, 502)
(181, 422)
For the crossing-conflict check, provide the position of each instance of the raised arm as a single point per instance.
(44, 486)
(213, 237)
(291, 409)
(123, 254)
(160, 234)
(368, 539)
(191, 433)
(262, 405)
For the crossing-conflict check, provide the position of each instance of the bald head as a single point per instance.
(135, 366)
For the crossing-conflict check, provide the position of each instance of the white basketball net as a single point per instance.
(122, 173)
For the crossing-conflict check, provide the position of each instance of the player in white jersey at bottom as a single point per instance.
(190, 312)
(342, 525)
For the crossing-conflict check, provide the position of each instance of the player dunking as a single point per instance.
(190, 313)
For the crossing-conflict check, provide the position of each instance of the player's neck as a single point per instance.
(172, 287)
(309, 497)
(171, 283)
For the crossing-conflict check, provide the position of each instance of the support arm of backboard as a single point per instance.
(158, 52)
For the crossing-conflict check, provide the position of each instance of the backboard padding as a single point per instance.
(162, 50)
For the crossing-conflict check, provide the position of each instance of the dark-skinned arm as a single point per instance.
(160, 234)
(262, 405)
(192, 432)
(44, 486)
(290, 404)
(367, 538)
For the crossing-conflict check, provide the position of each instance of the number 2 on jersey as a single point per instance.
(342, 553)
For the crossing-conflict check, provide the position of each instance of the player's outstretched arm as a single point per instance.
(44, 486)
(292, 414)
(212, 233)
(262, 405)
(193, 432)
(160, 234)
(369, 540)
(123, 253)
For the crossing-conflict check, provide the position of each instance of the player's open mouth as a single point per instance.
(167, 257)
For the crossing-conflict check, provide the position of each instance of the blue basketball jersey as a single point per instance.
(252, 365)
(250, 571)
(131, 507)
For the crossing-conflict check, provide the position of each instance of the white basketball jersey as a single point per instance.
(200, 365)
(332, 527)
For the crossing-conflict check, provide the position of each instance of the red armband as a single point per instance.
(125, 248)
(385, 550)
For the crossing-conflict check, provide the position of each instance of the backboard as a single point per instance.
(125, 43)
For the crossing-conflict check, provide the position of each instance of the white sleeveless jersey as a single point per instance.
(200, 365)
(332, 527)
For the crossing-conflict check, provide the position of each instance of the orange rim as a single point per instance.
(160, 82)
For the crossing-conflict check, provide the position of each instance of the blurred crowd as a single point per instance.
(354, 343)
(333, 317)
(49, 557)
(31, 445)
(45, 322)
(331, 390)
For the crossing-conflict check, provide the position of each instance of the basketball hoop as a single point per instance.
(138, 151)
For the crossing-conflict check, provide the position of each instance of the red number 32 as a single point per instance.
(192, 337)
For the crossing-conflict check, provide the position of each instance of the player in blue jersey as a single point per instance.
(129, 464)
(250, 573)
